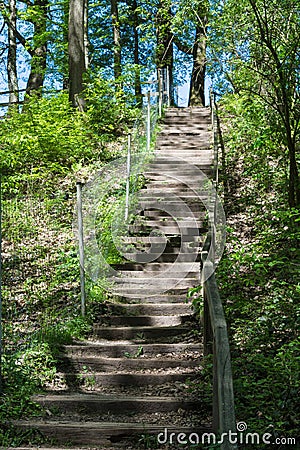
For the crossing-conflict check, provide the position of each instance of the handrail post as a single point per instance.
(160, 92)
(128, 176)
(148, 121)
(168, 87)
(81, 247)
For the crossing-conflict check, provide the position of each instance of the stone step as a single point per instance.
(134, 363)
(148, 293)
(101, 434)
(111, 349)
(139, 333)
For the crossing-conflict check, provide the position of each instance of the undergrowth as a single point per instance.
(43, 152)
(259, 277)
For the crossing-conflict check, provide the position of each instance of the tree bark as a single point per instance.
(77, 57)
(164, 48)
(12, 55)
(86, 33)
(197, 87)
(294, 181)
(65, 64)
(116, 38)
(137, 79)
(39, 52)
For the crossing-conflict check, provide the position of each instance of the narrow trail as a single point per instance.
(131, 380)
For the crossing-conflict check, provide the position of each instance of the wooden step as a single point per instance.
(139, 334)
(134, 372)
(118, 350)
(95, 404)
(144, 309)
(145, 321)
(130, 363)
(101, 433)
(130, 378)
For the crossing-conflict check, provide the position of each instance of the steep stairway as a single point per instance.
(132, 379)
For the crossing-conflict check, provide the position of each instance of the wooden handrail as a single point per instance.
(216, 340)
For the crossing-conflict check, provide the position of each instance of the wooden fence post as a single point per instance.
(128, 176)
(81, 247)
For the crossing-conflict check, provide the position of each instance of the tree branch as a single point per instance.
(18, 35)
(183, 47)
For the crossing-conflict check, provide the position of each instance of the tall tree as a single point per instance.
(12, 55)
(191, 19)
(116, 38)
(197, 85)
(137, 79)
(77, 51)
(256, 44)
(164, 46)
(38, 50)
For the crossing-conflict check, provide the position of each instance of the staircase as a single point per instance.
(131, 380)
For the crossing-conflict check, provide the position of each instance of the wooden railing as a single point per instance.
(216, 340)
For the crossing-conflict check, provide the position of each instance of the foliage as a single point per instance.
(50, 138)
(109, 107)
(43, 151)
(255, 48)
(46, 139)
(259, 273)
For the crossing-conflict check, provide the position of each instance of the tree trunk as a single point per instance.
(39, 53)
(137, 80)
(12, 55)
(65, 64)
(294, 182)
(116, 38)
(77, 57)
(86, 33)
(164, 48)
(197, 87)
